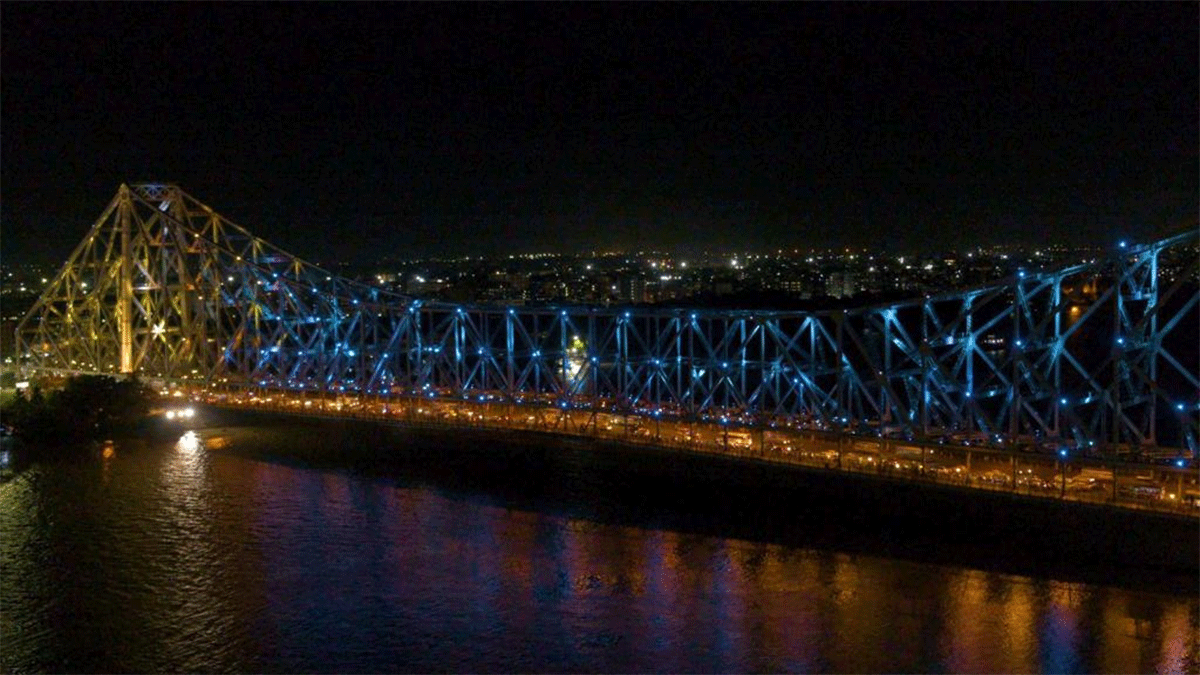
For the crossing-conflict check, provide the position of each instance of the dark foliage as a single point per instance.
(87, 407)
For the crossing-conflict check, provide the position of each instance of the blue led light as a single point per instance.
(1063, 452)
(1062, 401)
(1179, 463)
(1179, 406)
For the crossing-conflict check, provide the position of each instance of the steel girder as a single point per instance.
(1100, 355)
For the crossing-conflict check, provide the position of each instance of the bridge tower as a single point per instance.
(125, 288)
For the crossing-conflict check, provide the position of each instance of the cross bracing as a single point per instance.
(1100, 355)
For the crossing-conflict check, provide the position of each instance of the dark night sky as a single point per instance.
(356, 130)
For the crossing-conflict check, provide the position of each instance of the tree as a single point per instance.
(88, 406)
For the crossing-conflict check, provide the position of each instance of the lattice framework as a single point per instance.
(1099, 355)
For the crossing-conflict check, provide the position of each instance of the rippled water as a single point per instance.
(196, 556)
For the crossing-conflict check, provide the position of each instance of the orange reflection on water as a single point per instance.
(1018, 624)
(216, 442)
(970, 627)
(661, 597)
(1178, 628)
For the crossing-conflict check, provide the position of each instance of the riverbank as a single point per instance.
(749, 500)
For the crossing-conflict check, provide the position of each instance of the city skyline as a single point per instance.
(482, 130)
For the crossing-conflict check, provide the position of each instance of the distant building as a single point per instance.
(794, 286)
(841, 284)
(724, 285)
(631, 288)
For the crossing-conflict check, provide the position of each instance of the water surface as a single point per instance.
(204, 555)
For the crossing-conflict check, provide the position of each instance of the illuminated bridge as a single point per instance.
(1090, 360)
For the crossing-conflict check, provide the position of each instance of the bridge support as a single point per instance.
(125, 285)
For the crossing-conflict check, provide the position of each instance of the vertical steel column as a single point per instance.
(125, 290)
(1155, 344)
(509, 365)
(1015, 354)
(926, 358)
(843, 401)
(969, 353)
(1056, 357)
(190, 337)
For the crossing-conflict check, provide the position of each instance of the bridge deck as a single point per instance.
(1125, 485)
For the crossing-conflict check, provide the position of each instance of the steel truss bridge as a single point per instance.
(1097, 358)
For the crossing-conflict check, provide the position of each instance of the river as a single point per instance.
(221, 551)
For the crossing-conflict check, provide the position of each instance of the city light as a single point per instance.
(189, 443)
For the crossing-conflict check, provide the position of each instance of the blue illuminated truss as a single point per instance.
(1100, 355)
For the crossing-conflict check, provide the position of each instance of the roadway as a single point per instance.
(1120, 484)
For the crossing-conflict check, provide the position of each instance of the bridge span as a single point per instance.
(1088, 362)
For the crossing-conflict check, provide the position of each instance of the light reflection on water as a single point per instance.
(183, 558)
